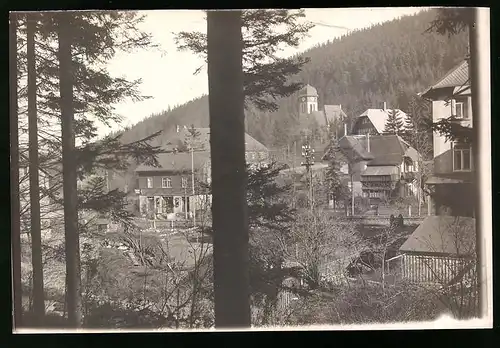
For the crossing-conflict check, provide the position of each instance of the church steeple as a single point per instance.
(308, 100)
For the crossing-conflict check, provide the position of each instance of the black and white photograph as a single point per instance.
(252, 169)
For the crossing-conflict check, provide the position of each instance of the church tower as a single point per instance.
(308, 100)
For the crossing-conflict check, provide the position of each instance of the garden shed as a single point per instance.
(441, 250)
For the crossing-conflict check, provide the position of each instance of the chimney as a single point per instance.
(385, 106)
(368, 142)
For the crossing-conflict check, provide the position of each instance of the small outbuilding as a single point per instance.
(441, 250)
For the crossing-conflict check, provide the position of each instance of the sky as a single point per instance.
(167, 74)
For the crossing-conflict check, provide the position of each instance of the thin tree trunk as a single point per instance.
(36, 233)
(72, 245)
(227, 142)
(14, 176)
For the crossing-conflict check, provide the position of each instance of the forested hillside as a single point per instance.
(388, 62)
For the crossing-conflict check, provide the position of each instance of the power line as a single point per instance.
(331, 26)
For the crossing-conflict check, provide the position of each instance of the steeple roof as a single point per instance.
(308, 91)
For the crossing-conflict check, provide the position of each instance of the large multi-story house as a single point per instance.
(168, 189)
(442, 249)
(450, 185)
(381, 166)
(373, 121)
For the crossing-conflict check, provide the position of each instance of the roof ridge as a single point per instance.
(449, 72)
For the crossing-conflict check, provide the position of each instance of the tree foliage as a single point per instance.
(356, 70)
(264, 32)
(394, 124)
(336, 186)
(84, 88)
(451, 21)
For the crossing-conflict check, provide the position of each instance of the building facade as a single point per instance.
(381, 166)
(450, 186)
(167, 191)
(373, 121)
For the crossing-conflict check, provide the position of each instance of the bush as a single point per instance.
(361, 303)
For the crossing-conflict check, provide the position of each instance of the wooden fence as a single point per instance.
(435, 269)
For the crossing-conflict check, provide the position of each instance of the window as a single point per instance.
(151, 204)
(150, 182)
(462, 157)
(459, 108)
(166, 183)
(184, 182)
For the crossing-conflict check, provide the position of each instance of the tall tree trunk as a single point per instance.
(14, 176)
(36, 233)
(229, 177)
(72, 245)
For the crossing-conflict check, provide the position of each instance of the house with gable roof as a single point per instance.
(373, 121)
(167, 190)
(441, 250)
(451, 183)
(381, 166)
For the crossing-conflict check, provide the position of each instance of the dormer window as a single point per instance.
(462, 157)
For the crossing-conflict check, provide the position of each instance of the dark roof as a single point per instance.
(309, 91)
(334, 112)
(452, 235)
(353, 149)
(385, 150)
(203, 140)
(176, 162)
(455, 77)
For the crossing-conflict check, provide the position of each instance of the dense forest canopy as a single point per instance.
(389, 62)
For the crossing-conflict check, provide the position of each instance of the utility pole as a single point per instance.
(185, 202)
(308, 154)
(352, 188)
(192, 184)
